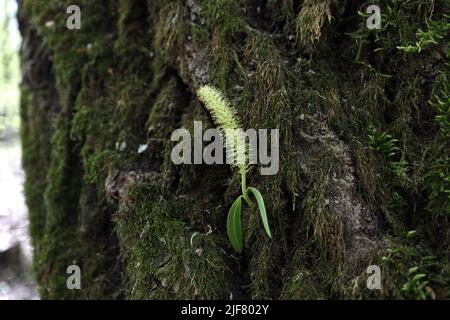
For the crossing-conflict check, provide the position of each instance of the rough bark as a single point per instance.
(140, 227)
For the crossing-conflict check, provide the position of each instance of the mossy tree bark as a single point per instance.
(141, 227)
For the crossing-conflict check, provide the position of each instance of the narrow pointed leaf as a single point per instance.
(234, 227)
(262, 209)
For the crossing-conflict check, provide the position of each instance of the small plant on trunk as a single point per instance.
(226, 119)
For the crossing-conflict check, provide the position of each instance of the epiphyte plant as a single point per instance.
(228, 124)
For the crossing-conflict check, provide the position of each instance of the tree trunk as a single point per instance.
(363, 158)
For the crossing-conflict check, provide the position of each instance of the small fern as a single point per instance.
(382, 143)
(437, 30)
(437, 177)
(416, 284)
(442, 105)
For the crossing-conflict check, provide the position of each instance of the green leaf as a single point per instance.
(262, 209)
(413, 270)
(411, 234)
(234, 227)
(418, 276)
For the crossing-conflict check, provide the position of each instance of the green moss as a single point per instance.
(301, 286)
(110, 104)
(55, 190)
(170, 31)
(69, 48)
(36, 151)
(402, 261)
(167, 259)
(226, 25)
(165, 110)
(311, 20)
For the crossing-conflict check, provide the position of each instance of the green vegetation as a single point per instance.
(413, 267)
(436, 32)
(437, 179)
(234, 137)
(366, 139)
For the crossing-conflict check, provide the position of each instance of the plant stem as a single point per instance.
(243, 172)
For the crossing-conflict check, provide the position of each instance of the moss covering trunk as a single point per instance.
(364, 139)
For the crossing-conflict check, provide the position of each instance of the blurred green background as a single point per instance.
(9, 70)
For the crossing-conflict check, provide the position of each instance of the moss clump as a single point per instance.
(36, 151)
(311, 19)
(56, 214)
(410, 270)
(170, 31)
(301, 286)
(167, 259)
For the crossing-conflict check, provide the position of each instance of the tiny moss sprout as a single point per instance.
(226, 119)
